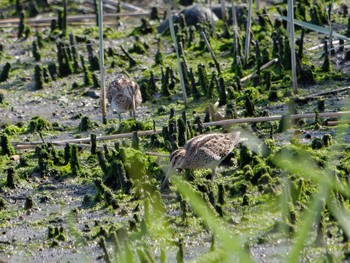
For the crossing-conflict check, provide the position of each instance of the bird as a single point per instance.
(124, 95)
(203, 151)
(214, 113)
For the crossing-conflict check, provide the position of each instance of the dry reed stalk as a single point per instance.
(247, 35)
(277, 117)
(88, 139)
(335, 123)
(172, 32)
(235, 32)
(292, 45)
(71, 19)
(102, 67)
(223, 10)
(268, 64)
(217, 65)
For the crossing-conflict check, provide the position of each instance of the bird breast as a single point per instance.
(120, 94)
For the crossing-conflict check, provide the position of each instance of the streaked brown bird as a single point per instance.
(124, 95)
(203, 151)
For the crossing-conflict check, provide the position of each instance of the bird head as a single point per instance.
(177, 158)
(176, 161)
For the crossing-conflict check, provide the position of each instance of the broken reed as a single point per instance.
(178, 55)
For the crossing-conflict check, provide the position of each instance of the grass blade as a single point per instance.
(318, 29)
(232, 246)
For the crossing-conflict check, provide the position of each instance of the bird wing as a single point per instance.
(198, 141)
(221, 145)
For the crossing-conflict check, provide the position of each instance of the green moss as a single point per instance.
(245, 156)
(136, 162)
(132, 125)
(38, 124)
(13, 130)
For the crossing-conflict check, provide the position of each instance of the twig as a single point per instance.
(335, 123)
(335, 42)
(320, 94)
(217, 65)
(157, 154)
(268, 64)
(76, 18)
(88, 139)
(30, 146)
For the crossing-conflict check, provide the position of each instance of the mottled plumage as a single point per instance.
(124, 95)
(203, 151)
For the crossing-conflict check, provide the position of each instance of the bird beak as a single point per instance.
(165, 181)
